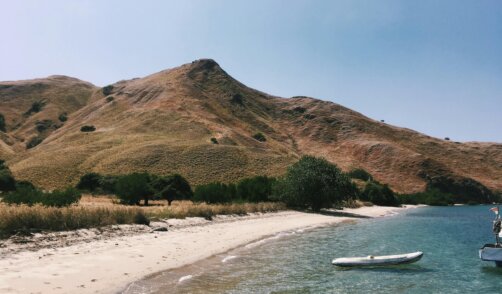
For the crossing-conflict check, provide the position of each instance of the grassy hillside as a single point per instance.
(165, 122)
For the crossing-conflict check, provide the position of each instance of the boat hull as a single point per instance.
(491, 252)
(378, 260)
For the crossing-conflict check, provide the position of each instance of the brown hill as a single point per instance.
(164, 123)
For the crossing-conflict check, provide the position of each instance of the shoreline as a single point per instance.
(111, 265)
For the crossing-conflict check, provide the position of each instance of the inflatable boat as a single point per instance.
(378, 260)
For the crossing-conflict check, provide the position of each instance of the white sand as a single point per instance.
(108, 266)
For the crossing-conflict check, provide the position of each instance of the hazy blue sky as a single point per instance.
(433, 66)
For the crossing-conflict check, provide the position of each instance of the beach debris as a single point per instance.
(160, 229)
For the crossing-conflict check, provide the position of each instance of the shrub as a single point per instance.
(7, 181)
(63, 117)
(133, 187)
(313, 182)
(309, 116)
(35, 107)
(28, 195)
(215, 193)
(447, 139)
(431, 196)
(2, 123)
(299, 109)
(88, 128)
(360, 174)
(107, 184)
(256, 189)
(259, 137)
(43, 125)
(379, 194)
(63, 198)
(109, 99)
(214, 141)
(90, 182)
(107, 90)
(171, 188)
(25, 184)
(141, 219)
(34, 142)
(237, 99)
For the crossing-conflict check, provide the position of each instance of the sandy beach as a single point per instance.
(109, 265)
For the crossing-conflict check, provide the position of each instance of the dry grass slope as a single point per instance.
(163, 123)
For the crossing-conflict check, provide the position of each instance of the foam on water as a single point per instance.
(185, 278)
(230, 257)
(266, 240)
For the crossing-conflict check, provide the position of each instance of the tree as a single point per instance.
(62, 198)
(215, 193)
(379, 194)
(7, 181)
(255, 189)
(89, 182)
(313, 182)
(170, 188)
(133, 187)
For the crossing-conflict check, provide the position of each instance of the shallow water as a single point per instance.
(300, 261)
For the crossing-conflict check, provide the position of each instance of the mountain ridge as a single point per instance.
(164, 123)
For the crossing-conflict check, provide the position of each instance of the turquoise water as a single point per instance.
(300, 262)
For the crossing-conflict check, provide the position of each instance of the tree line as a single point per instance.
(311, 183)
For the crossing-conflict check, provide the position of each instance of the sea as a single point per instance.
(300, 261)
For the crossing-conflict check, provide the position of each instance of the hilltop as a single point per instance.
(199, 121)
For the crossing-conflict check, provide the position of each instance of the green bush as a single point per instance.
(170, 188)
(237, 99)
(215, 193)
(379, 194)
(24, 195)
(88, 128)
(2, 123)
(107, 184)
(7, 181)
(256, 189)
(260, 137)
(35, 107)
(107, 90)
(433, 197)
(43, 125)
(59, 198)
(132, 188)
(214, 141)
(63, 117)
(34, 142)
(313, 183)
(89, 182)
(360, 174)
(141, 219)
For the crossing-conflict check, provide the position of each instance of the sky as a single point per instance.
(432, 66)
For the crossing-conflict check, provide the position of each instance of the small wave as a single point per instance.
(263, 241)
(230, 257)
(184, 278)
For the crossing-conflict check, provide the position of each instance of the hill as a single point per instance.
(166, 122)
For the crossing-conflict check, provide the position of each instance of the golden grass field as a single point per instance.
(163, 124)
(93, 211)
